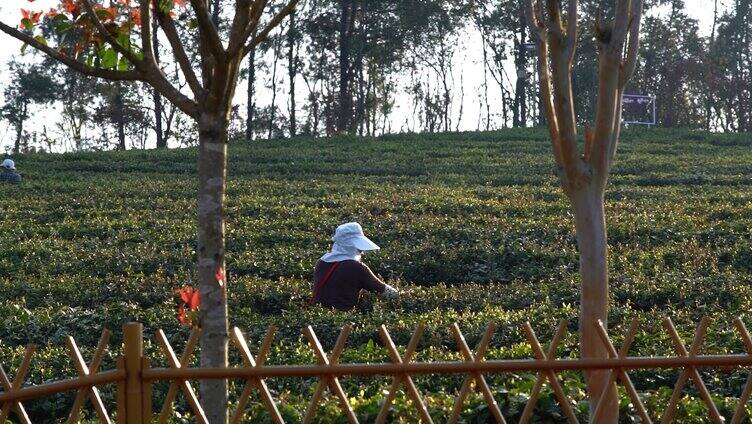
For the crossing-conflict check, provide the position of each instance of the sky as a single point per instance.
(468, 63)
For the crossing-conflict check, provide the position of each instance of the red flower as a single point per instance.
(220, 276)
(52, 13)
(136, 17)
(70, 6)
(32, 16)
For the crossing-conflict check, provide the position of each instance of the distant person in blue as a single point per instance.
(8, 172)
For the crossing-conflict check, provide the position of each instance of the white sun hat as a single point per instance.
(351, 234)
(349, 242)
(9, 164)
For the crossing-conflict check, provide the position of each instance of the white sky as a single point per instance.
(468, 65)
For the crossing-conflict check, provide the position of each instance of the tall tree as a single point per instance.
(250, 95)
(519, 116)
(671, 67)
(732, 51)
(120, 104)
(346, 26)
(292, 67)
(491, 18)
(584, 173)
(29, 85)
(77, 96)
(119, 111)
(116, 43)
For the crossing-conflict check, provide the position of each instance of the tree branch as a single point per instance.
(159, 81)
(619, 29)
(617, 128)
(146, 45)
(168, 27)
(571, 30)
(208, 30)
(257, 9)
(554, 17)
(605, 116)
(630, 61)
(239, 24)
(71, 62)
(538, 27)
(270, 26)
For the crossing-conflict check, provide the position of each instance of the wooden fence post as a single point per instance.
(133, 351)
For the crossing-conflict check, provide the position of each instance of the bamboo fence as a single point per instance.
(134, 376)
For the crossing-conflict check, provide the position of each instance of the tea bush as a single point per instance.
(473, 228)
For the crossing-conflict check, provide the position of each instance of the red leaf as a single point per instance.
(195, 301)
(182, 318)
(220, 276)
(190, 297)
(70, 6)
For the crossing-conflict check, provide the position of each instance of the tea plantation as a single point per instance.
(473, 227)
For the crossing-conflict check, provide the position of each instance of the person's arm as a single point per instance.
(372, 283)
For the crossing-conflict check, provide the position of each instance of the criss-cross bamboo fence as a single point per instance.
(134, 376)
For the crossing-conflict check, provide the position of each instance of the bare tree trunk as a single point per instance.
(590, 225)
(485, 85)
(156, 97)
(291, 67)
(520, 102)
(462, 102)
(251, 103)
(212, 175)
(19, 130)
(273, 106)
(345, 97)
(119, 119)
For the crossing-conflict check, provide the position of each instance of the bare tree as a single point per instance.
(584, 174)
(210, 105)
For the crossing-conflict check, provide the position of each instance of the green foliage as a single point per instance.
(473, 228)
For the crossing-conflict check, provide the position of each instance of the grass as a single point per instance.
(473, 228)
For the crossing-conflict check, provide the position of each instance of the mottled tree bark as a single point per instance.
(212, 175)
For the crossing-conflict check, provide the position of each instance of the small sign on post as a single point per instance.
(638, 110)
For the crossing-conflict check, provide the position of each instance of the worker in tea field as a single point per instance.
(340, 275)
(8, 172)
